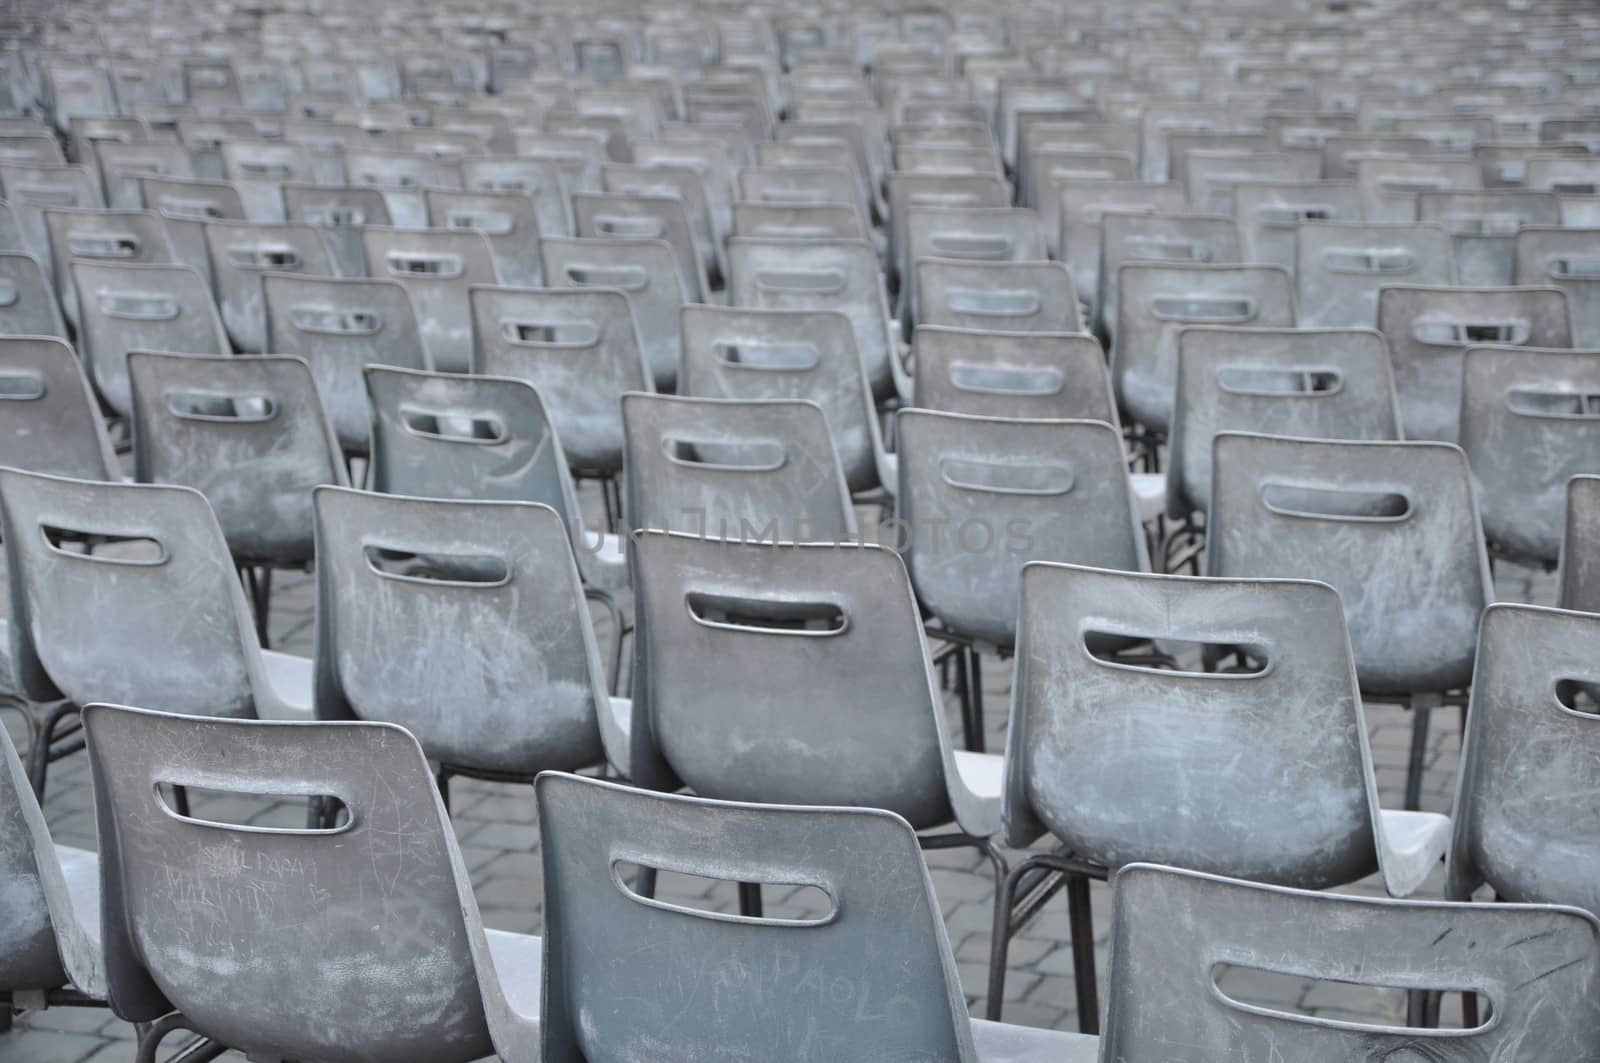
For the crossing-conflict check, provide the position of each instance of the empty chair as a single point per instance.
(1569, 259)
(117, 237)
(1428, 330)
(742, 353)
(508, 219)
(339, 326)
(614, 216)
(376, 915)
(762, 469)
(1157, 300)
(1158, 237)
(1393, 526)
(802, 186)
(49, 420)
(1535, 964)
(579, 347)
(339, 212)
(1195, 801)
(435, 267)
(31, 190)
(975, 234)
(1519, 817)
(121, 163)
(260, 168)
(1391, 184)
(240, 252)
(908, 190)
(1081, 206)
(1212, 175)
(402, 176)
(185, 205)
(679, 182)
(518, 690)
(997, 296)
(28, 304)
(1483, 226)
(1310, 383)
(1530, 422)
(1272, 215)
(646, 272)
(880, 925)
(797, 221)
(1340, 266)
(1011, 374)
(140, 308)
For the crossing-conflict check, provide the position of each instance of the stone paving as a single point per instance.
(500, 841)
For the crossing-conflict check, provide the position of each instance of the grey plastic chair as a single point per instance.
(31, 190)
(338, 212)
(402, 176)
(908, 190)
(1081, 204)
(1158, 300)
(517, 691)
(1521, 796)
(185, 205)
(741, 353)
(259, 169)
(1537, 965)
(741, 469)
(684, 183)
(1310, 383)
(1391, 184)
(508, 219)
(1011, 374)
(880, 927)
(1569, 259)
(615, 216)
(646, 271)
(973, 234)
(1152, 236)
(797, 221)
(374, 915)
(1123, 762)
(1578, 577)
(1484, 225)
(49, 420)
(1429, 329)
(436, 267)
(1340, 266)
(115, 237)
(121, 163)
(997, 296)
(1530, 421)
(1272, 214)
(579, 347)
(339, 326)
(1212, 175)
(140, 308)
(1393, 526)
(28, 305)
(240, 252)
(775, 186)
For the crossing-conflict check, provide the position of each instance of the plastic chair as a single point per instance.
(908, 190)
(1393, 526)
(338, 326)
(508, 219)
(338, 212)
(644, 270)
(1272, 214)
(679, 182)
(49, 420)
(740, 353)
(539, 179)
(879, 925)
(260, 168)
(973, 234)
(1211, 176)
(1566, 258)
(1535, 964)
(614, 216)
(1429, 329)
(31, 190)
(1157, 300)
(579, 347)
(122, 163)
(1310, 383)
(1011, 374)
(762, 469)
(518, 691)
(1339, 268)
(28, 304)
(436, 267)
(997, 296)
(376, 914)
(1191, 799)
(1390, 184)
(117, 237)
(1530, 421)
(401, 177)
(797, 221)
(185, 205)
(1484, 226)
(1145, 236)
(1082, 204)
(140, 308)
(240, 252)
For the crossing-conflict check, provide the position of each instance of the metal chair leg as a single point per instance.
(151, 1038)
(1421, 712)
(1000, 942)
(968, 689)
(1080, 924)
(39, 768)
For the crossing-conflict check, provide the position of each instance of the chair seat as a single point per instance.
(1001, 1042)
(1149, 494)
(605, 567)
(292, 681)
(1413, 844)
(519, 966)
(81, 870)
(975, 792)
(616, 730)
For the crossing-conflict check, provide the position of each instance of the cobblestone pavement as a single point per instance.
(500, 841)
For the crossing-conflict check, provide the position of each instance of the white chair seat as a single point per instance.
(1149, 494)
(975, 792)
(1001, 1042)
(519, 967)
(292, 680)
(1413, 845)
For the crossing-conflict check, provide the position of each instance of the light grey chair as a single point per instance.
(880, 926)
(401, 176)
(436, 267)
(509, 219)
(260, 168)
(1011, 374)
(1569, 259)
(121, 163)
(1429, 329)
(1081, 206)
(997, 296)
(1084, 763)
(797, 221)
(687, 185)
(516, 691)
(1391, 184)
(616, 216)
(1339, 267)
(339, 326)
(240, 252)
(28, 305)
(909, 190)
(106, 237)
(1530, 422)
(1271, 215)
(345, 903)
(646, 271)
(968, 234)
(185, 204)
(1393, 526)
(743, 469)
(1158, 236)
(744, 353)
(339, 212)
(1537, 966)
(1483, 226)
(1578, 575)
(49, 420)
(30, 190)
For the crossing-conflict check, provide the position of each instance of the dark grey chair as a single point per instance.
(1011, 374)
(49, 420)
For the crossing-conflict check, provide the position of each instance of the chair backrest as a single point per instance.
(818, 693)
(908, 190)
(260, 168)
(248, 433)
(435, 267)
(158, 575)
(112, 237)
(141, 308)
(1569, 259)
(679, 182)
(1011, 374)
(1530, 421)
(49, 420)
(378, 911)
(762, 469)
(1148, 236)
(797, 221)
(28, 305)
(579, 347)
(1158, 300)
(1310, 383)
(1153, 753)
(240, 252)
(121, 163)
(339, 326)
(981, 496)
(339, 212)
(997, 296)
(973, 234)
(1212, 174)
(801, 186)
(646, 271)
(1339, 267)
(1390, 184)
(185, 205)
(1531, 731)
(538, 178)
(1484, 225)
(1429, 329)
(615, 216)
(743, 353)
(1392, 526)
(1271, 214)
(1537, 965)
(402, 176)
(462, 621)
(880, 926)
(1082, 206)
(508, 219)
